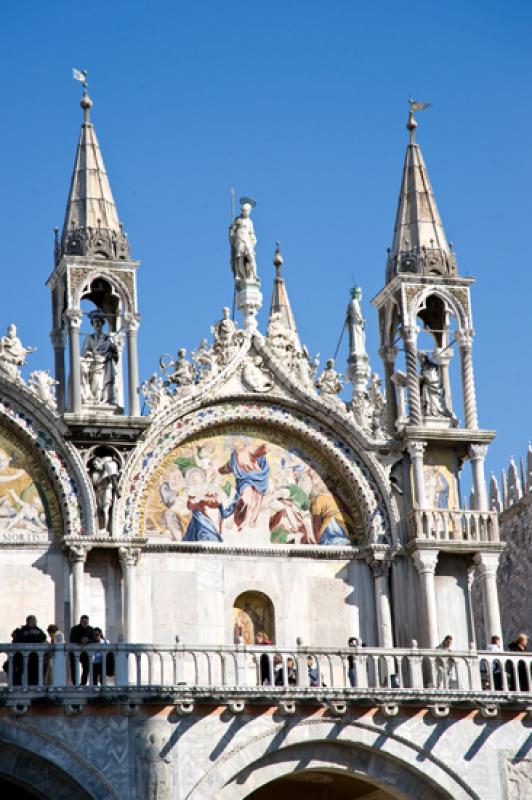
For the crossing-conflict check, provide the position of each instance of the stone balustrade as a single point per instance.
(232, 671)
(445, 525)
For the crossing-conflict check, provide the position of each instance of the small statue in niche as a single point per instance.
(98, 363)
(431, 386)
(243, 240)
(104, 475)
(12, 352)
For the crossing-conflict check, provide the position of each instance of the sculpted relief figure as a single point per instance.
(104, 476)
(43, 385)
(155, 776)
(155, 393)
(12, 352)
(98, 364)
(243, 240)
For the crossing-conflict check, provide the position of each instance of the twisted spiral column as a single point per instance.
(414, 398)
(465, 342)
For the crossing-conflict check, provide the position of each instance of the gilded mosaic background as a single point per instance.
(249, 487)
(27, 504)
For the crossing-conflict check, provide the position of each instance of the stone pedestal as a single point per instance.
(249, 302)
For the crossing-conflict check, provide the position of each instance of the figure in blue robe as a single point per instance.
(250, 468)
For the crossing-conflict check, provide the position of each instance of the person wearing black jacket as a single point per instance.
(81, 634)
(27, 634)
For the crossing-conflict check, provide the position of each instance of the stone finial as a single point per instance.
(495, 495)
(515, 491)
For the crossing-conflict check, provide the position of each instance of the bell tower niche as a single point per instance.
(94, 295)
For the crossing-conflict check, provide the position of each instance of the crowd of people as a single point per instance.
(90, 664)
(93, 665)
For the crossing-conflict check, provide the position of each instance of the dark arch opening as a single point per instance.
(253, 613)
(319, 784)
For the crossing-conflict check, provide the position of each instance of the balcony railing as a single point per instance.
(444, 525)
(254, 671)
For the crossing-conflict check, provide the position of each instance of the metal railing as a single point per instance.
(259, 670)
(444, 525)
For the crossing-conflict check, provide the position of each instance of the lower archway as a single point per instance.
(20, 791)
(314, 784)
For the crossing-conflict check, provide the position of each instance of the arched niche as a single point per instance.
(253, 613)
(249, 484)
(29, 509)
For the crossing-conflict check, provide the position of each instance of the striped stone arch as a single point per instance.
(37, 429)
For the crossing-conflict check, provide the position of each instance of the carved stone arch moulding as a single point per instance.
(80, 280)
(454, 298)
(60, 463)
(333, 452)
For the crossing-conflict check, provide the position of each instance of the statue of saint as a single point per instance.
(356, 323)
(12, 352)
(432, 392)
(330, 384)
(180, 373)
(104, 477)
(227, 339)
(243, 240)
(98, 364)
(155, 774)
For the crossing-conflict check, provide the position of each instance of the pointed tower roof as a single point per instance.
(419, 243)
(91, 226)
(280, 306)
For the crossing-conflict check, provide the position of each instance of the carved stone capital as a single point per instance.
(477, 451)
(416, 449)
(425, 561)
(487, 564)
(380, 565)
(131, 322)
(410, 333)
(465, 339)
(78, 553)
(128, 556)
(388, 354)
(74, 317)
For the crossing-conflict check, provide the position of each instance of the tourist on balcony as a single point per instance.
(495, 647)
(56, 637)
(446, 666)
(261, 639)
(27, 634)
(313, 676)
(290, 670)
(81, 634)
(518, 646)
(351, 672)
(98, 657)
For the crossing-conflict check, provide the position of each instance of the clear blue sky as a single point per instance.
(301, 105)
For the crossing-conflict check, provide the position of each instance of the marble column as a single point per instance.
(415, 451)
(58, 339)
(477, 454)
(414, 397)
(78, 557)
(133, 366)
(381, 570)
(388, 355)
(74, 317)
(128, 557)
(487, 564)
(465, 343)
(425, 562)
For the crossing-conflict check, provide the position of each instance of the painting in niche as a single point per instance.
(440, 480)
(252, 613)
(23, 504)
(249, 487)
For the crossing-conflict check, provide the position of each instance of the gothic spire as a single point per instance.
(419, 243)
(280, 308)
(91, 226)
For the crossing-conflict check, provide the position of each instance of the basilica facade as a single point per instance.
(276, 567)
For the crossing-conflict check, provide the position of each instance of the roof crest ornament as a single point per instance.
(85, 102)
(411, 125)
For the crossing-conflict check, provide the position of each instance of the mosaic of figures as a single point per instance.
(24, 506)
(247, 487)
